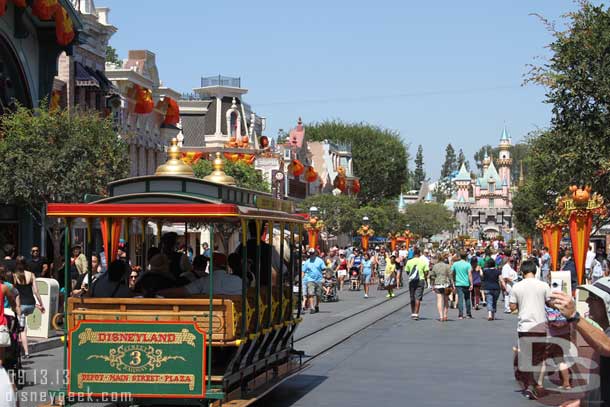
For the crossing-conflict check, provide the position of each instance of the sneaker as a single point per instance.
(392, 295)
(413, 315)
(366, 296)
(312, 311)
(317, 308)
(416, 317)
(387, 295)
(469, 316)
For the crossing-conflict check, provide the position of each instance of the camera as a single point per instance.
(557, 285)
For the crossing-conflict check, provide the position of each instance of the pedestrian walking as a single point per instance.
(545, 265)
(476, 282)
(462, 271)
(366, 271)
(25, 282)
(341, 269)
(417, 270)
(529, 298)
(389, 277)
(494, 285)
(313, 274)
(380, 264)
(441, 279)
(509, 275)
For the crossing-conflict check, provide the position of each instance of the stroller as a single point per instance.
(329, 284)
(381, 282)
(12, 354)
(354, 279)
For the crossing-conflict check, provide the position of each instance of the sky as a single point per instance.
(436, 72)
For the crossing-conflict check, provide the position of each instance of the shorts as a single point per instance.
(416, 289)
(27, 309)
(312, 289)
(367, 278)
(341, 273)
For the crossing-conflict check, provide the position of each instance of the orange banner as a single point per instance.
(554, 242)
(530, 244)
(313, 238)
(580, 230)
(546, 238)
(365, 242)
(393, 243)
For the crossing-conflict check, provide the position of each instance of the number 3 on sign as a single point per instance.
(136, 358)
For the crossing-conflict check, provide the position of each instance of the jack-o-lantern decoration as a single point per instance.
(296, 168)
(172, 114)
(64, 28)
(44, 9)
(580, 195)
(310, 174)
(144, 100)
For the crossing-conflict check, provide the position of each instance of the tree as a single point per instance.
(380, 156)
(576, 149)
(428, 219)
(57, 156)
(112, 56)
(480, 155)
(340, 213)
(245, 175)
(461, 159)
(419, 175)
(450, 163)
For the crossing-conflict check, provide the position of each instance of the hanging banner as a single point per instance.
(580, 230)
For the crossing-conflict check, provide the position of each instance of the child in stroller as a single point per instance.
(329, 287)
(354, 279)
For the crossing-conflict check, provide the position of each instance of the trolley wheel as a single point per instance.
(58, 321)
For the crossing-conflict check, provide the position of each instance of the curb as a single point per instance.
(45, 344)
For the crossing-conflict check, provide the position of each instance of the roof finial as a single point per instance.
(234, 104)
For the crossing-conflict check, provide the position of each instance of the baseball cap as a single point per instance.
(601, 288)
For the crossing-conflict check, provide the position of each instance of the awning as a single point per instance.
(106, 85)
(84, 77)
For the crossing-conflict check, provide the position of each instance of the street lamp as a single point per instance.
(365, 231)
(313, 211)
(314, 227)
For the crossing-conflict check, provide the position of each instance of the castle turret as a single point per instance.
(505, 160)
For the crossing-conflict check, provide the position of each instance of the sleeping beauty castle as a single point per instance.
(483, 204)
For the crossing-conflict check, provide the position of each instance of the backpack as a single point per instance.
(414, 274)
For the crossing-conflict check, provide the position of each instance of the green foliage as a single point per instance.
(419, 175)
(384, 218)
(380, 156)
(528, 205)
(427, 219)
(245, 175)
(340, 213)
(480, 155)
(461, 159)
(112, 56)
(450, 163)
(57, 156)
(576, 149)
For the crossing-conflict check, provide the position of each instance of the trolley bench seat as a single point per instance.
(224, 323)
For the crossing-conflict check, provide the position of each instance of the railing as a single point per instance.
(220, 81)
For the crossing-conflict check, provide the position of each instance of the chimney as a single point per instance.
(102, 15)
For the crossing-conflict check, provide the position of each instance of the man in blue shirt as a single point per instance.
(462, 275)
(313, 274)
(545, 265)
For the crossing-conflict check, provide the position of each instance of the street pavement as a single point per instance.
(419, 363)
(382, 356)
(44, 369)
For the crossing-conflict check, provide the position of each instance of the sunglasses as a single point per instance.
(133, 277)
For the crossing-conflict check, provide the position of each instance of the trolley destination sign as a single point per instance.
(142, 359)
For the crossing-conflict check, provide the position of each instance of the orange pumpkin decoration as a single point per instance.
(231, 156)
(296, 168)
(191, 157)
(341, 183)
(356, 186)
(245, 140)
(172, 115)
(144, 100)
(581, 195)
(45, 9)
(64, 28)
(310, 174)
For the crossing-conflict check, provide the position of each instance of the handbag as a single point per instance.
(5, 337)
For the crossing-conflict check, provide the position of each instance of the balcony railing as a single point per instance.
(220, 81)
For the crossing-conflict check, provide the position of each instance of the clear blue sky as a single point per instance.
(438, 72)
